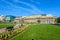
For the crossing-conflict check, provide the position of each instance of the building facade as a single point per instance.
(42, 19)
(2, 18)
(10, 18)
(19, 19)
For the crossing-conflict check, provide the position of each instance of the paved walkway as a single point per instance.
(2, 30)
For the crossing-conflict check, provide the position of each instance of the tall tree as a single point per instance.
(58, 20)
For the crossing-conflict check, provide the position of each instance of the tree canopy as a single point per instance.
(58, 20)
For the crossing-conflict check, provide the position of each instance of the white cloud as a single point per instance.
(30, 10)
(35, 1)
(33, 10)
(30, 5)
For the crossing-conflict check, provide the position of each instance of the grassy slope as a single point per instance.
(40, 32)
(5, 24)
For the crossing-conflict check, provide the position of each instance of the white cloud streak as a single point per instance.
(32, 6)
(35, 1)
(34, 9)
(17, 6)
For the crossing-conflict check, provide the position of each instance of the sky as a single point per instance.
(29, 7)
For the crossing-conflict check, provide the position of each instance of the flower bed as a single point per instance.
(12, 33)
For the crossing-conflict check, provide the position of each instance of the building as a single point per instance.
(2, 18)
(10, 18)
(42, 19)
(19, 19)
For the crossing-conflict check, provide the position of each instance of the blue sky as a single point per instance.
(29, 7)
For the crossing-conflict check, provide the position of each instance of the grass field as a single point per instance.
(5, 24)
(40, 32)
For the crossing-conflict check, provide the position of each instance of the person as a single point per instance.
(32, 39)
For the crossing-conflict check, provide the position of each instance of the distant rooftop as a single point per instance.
(40, 15)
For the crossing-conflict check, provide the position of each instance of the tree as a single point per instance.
(58, 20)
(38, 21)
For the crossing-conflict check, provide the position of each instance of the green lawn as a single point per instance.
(5, 24)
(40, 32)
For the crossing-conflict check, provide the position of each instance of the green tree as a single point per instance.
(58, 20)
